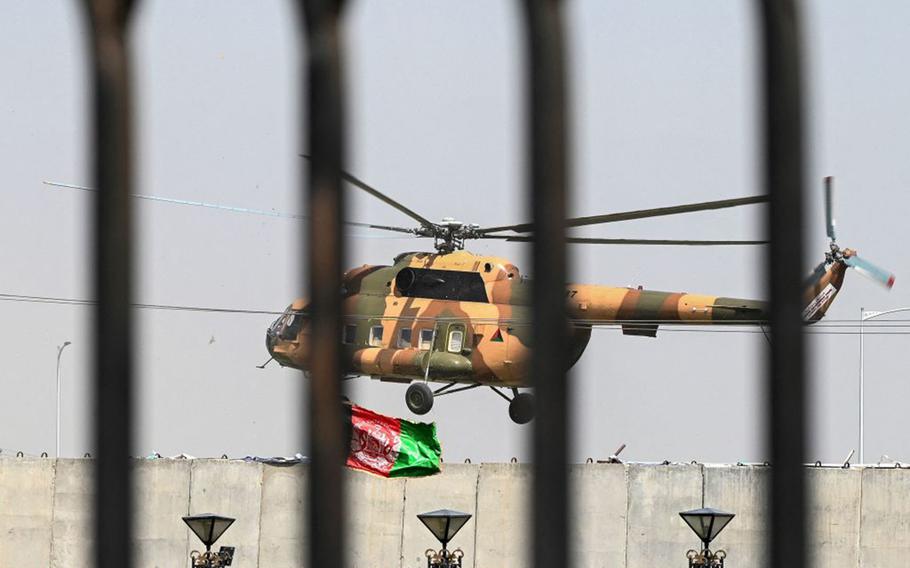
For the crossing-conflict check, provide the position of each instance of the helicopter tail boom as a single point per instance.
(640, 311)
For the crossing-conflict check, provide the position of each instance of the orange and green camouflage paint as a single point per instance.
(461, 317)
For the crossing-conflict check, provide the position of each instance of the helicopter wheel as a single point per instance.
(419, 398)
(521, 408)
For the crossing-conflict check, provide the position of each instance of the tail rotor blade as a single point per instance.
(871, 271)
(829, 207)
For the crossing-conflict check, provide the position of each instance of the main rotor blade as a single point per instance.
(829, 207)
(380, 227)
(175, 201)
(869, 270)
(597, 241)
(381, 196)
(245, 210)
(639, 214)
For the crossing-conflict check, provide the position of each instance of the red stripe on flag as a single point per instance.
(375, 441)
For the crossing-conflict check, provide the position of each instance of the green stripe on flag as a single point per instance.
(419, 452)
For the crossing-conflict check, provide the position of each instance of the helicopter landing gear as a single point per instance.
(521, 407)
(419, 398)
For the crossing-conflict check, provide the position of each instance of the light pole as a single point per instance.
(60, 349)
(863, 317)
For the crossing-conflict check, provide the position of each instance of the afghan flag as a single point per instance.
(392, 447)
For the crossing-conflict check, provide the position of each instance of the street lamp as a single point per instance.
(209, 528)
(60, 349)
(863, 317)
(707, 524)
(444, 523)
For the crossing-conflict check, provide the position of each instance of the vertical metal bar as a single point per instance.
(326, 264)
(549, 186)
(113, 238)
(862, 382)
(784, 178)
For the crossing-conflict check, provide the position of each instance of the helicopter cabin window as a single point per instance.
(282, 319)
(441, 284)
(426, 339)
(376, 336)
(295, 321)
(350, 334)
(456, 341)
(404, 338)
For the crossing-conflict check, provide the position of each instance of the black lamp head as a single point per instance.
(208, 527)
(444, 523)
(706, 522)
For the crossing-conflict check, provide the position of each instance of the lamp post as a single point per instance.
(444, 523)
(209, 528)
(707, 524)
(60, 349)
(863, 317)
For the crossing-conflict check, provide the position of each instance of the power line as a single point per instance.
(23, 298)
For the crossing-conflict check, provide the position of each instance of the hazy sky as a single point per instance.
(664, 106)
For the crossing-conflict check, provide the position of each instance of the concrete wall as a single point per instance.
(625, 515)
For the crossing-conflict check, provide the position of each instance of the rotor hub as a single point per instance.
(450, 234)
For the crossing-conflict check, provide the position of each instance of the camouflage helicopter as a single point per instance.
(462, 319)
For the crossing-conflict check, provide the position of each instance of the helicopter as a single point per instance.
(463, 320)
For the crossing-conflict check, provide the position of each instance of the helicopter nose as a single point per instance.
(285, 352)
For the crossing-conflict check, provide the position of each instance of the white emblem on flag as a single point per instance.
(374, 444)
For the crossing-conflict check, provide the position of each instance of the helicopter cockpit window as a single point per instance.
(441, 284)
(404, 338)
(278, 323)
(295, 322)
(426, 339)
(376, 336)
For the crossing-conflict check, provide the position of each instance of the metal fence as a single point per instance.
(548, 152)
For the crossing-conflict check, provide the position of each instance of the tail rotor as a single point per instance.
(847, 256)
